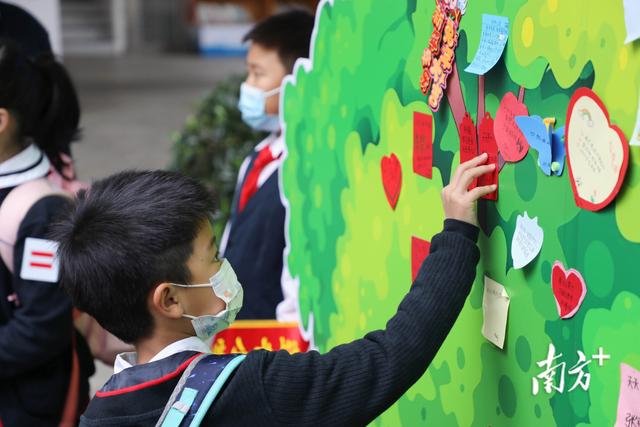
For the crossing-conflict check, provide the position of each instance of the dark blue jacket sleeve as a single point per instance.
(40, 328)
(354, 383)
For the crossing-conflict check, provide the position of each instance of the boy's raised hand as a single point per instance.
(460, 203)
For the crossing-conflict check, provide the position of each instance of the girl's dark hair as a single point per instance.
(39, 93)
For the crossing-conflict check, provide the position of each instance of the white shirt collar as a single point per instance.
(27, 165)
(129, 359)
(275, 141)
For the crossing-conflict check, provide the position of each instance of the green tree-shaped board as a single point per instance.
(352, 254)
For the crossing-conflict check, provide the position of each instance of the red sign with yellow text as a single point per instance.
(246, 335)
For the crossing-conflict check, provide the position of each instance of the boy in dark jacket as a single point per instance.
(137, 252)
(253, 240)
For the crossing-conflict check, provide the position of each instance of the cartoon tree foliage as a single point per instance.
(352, 253)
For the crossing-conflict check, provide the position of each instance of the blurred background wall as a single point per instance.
(142, 67)
(103, 27)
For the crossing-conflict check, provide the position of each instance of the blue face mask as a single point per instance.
(226, 287)
(252, 105)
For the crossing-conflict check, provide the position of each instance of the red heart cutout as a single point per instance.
(597, 151)
(511, 142)
(391, 178)
(568, 288)
(488, 145)
(468, 142)
(419, 252)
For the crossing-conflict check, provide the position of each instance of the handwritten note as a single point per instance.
(569, 290)
(512, 144)
(527, 241)
(632, 20)
(635, 138)
(629, 399)
(495, 31)
(495, 310)
(597, 151)
(547, 141)
(487, 143)
(468, 142)
(422, 144)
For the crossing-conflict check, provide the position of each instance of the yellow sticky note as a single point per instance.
(495, 310)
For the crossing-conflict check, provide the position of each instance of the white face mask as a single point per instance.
(253, 104)
(226, 287)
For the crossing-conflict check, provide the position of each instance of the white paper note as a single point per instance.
(632, 19)
(495, 309)
(527, 240)
(462, 5)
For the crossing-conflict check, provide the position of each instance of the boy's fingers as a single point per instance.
(478, 192)
(475, 161)
(467, 165)
(470, 174)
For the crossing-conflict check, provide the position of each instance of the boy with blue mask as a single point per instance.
(137, 252)
(254, 238)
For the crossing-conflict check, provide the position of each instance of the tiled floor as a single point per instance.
(130, 107)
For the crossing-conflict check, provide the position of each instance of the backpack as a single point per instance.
(22, 198)
(13, 209)
(197, 389)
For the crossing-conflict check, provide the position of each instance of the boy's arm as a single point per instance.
(354, 383)
(40, 327)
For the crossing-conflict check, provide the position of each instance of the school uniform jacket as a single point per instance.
(348, 386)
(35, 316)
(254, 240)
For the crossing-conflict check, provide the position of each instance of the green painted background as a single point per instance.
(352, 253)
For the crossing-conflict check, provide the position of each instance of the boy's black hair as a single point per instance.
(288, 33)
(127, 234)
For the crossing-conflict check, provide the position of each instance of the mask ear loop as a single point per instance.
(272, 92)
(201, 285)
